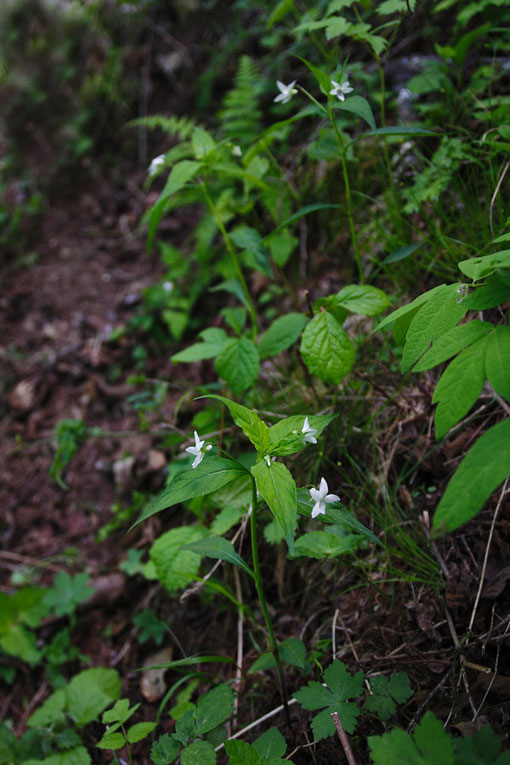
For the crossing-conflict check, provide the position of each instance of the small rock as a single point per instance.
(152, 681)
(22, 396)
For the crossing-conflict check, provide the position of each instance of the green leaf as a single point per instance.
(440, 313)
(165, 750)
(20, 642)
(279, 12)
(307, 210)
(399, 687)
(214, 708)
(241, 753)
(497, 361)
(67, 592)
(282, 246)
(264, 662)
(322, 544)
(198, 753)
(323, 79)
(213, 342)
(452, 342)
(282, 333)
(248, 239)
(403, 310)
(90, 692)
(226, 518)
(358, 106)
(78, 755)
(113, 741)
(203, 143)
(401, 253)
(276, 485)
(335, 513)
(293, 652)
(489, 295)
(180, 175)
(459, 386)
(479, 268)
(238, 364)
(429, 744)
(326, 348)
(51, 712)
(401, 130)
(139, 731)
(341, 686)
(270, 744)
(283, 438)
(120, 712)
(220, 549)
(176, 567)
(211, 474)
(483, 469)
(249, 422)
(483, 747)
(385, 694)
(235, 318)
(234, 288)
(362, 299)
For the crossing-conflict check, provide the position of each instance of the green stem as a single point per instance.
(348, 196)
(263, 603)
(235, 262)
(127, 744)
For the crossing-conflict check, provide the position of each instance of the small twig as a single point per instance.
(463, 674)
(333, 634)
(34, 701)
(493, 678)
(496, 191)
(240, 646)
(254, 724)
(486, 556)
(343, 739)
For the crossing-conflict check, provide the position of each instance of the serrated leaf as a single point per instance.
(176, 567)
(249, 422)
(381, 705)
(293, 652)
(284, 441)
(214, 708)
(479, 268)
(67, 592)
(226, 518)
(497, 361)
(138, 731)
(264, 662)
(483, 469)
(459, 386)
(483, 747)
(238, 364)
(211, 474)
(242, 753)
(341, 686)
(439, 314)
(452, 342)
(270, 744)
(403, 310)
(362, 299)
(360, 107)
(50, 712)
(430, 744)
(165, 750)
(219, 548)
(198, 753)
(327, 349)
(282, 333)
(277, 487)
(89, 692)
(121, 711)
(249, 240)
(399, 687)
(322, 544)
(212, 344)
(111, 741)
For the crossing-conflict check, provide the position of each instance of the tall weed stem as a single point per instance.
(263, 603)
(235, 262)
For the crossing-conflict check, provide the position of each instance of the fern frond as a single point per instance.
(182, 127)
(240, 114)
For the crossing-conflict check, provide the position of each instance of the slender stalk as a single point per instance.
(263, 603)
(127, 744)
(348, 196)
(235, 262)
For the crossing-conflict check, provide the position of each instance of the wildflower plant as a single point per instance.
(272, 486)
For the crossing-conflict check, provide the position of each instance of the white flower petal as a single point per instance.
(331, 498)
(323, 487)
(315, 495)
(318, 509)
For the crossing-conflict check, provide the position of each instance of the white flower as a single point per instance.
(198, 450)
(286, 91)
(168, 286)
(308, 433)
(156, 163)
(340, 91)
(236, 151)
(321, 498)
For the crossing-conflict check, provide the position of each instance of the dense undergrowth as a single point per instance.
(332, 162)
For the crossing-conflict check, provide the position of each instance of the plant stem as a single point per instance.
(127, 744)
(263, 603)
(235, 262)
(348, 196)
